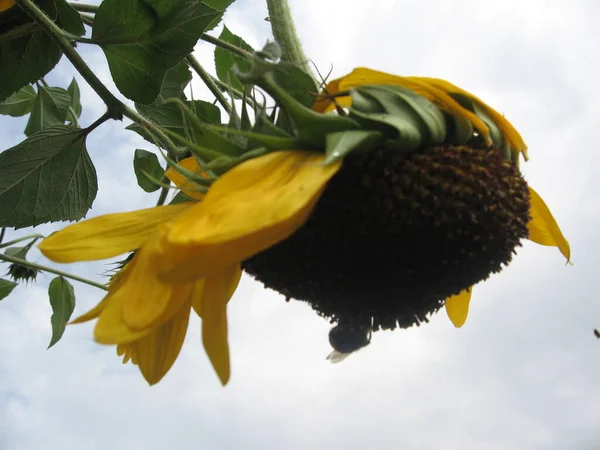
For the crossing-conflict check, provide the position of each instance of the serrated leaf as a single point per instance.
(17, 252)
(62, 301)
(6, 287)
(27, 58)
(147, 168)
(69, 19)
(20, 103)
(176, 80)
(144, 39)
(75, 95)
(219, 5)
(50, 108)
(170, 116)
(225, 61)
(48, 177)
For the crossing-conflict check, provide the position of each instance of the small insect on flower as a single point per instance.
(347, 339)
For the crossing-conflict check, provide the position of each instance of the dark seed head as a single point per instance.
(392, 237)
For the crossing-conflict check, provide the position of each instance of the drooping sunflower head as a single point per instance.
(428, 200)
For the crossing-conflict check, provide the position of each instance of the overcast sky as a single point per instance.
(524, 372)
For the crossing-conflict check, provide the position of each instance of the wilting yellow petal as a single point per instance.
(106, 236)
(250, 208)
(157, 351)
(182, 182)
(110, 328)
(512, 136)
(457, 307)
(217, 290)
(6, 4)
(92, 314)
(543, 228)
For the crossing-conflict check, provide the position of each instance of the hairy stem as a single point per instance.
(226, 45)
(208, 81)
(21, 239)
(284, 32)
(114, 105)
(33, 265)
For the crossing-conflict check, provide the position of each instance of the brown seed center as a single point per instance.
(393, 236)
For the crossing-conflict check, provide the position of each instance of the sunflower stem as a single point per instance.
(21, 239)
(284, 32)
(208, 81)
(33, 265)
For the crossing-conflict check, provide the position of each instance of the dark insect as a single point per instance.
(346, 339)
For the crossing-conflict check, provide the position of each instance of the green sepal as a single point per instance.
(209, 136)
(409, 120)
(342, 143)
(225, 164)
(496, 135)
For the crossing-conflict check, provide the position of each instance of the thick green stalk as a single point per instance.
(285, 34)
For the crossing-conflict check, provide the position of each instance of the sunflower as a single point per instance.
(386, 210)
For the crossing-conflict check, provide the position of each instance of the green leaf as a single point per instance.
(62, 301)
(20, 103)
(225, 61)
(146, 163)
(297, 83)
(50, 109)
(49, 177)
(6, 287)
(219, 5)
(170, 116)
(75, 96)
(175, 82)
(27, 58)
(143, 39)
(69, 19)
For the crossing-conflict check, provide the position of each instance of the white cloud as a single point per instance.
(522, 373)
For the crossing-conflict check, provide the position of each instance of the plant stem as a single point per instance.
(33, 265)
(163, 193)
(114, 105)
(88, 20)
(2, 232)
(284, 32)
(81, 7)
(226, 45)
(21, 239)
(208, 81)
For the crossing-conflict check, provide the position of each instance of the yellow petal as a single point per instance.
(543, 229)
(457, 307)
(6, 4)
(92, 314)
(250, 208)
(106, 236)
(110, 328)
(197, 296)
(217, 290)
(157, 351)
(182, 182)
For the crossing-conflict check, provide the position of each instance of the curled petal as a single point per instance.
(212, 308)
(250, 208)
(543, 228)
(457, 307)
(106, 236)
(157, 351)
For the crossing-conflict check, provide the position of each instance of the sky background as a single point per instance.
(524, 372)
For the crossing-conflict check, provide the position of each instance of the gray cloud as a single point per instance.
(522, 373)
